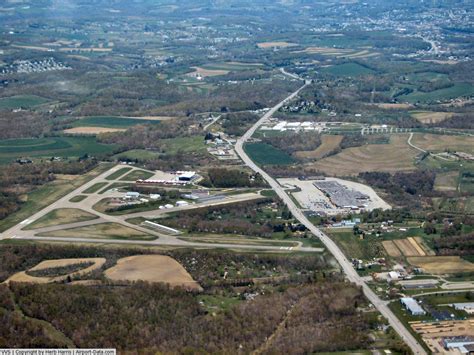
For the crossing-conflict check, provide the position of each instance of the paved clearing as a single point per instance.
(328, 144)
(93, 130)
(101, 231)
(61, 216)
(152, 268)
(441, 264)
(49, 264)
(393, 157)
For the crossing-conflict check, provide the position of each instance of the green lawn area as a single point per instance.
(64, 147)
(115, 175)
(265, 154)
(352, 246)
(61, 216)
(111, 122)
(47, 194)
(184, 144)
(78, 198)
(94, 188)
(101, 231)
(136, 175)
(136, 154)
(347, 69)
(457, 90)
(21, 101)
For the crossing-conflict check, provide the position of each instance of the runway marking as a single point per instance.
(26, 221)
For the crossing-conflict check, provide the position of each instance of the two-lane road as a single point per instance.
(346, 265)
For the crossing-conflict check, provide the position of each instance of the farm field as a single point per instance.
(446, 181)
(111, 122)
(393, 157)
(23, 276)
(431, 117)
(441, 264)
(329, 143)
(101, 231)
(411, 246)
(92, 130)
(266, 154)
(61, 216)
(391, 248)
(152, 268)
(457, 90)
(21, 101)
(347, 69)
(64, 147)
(440, 143)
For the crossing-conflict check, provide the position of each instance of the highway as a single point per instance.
(346, 265)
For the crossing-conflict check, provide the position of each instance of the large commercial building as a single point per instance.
(412, 306)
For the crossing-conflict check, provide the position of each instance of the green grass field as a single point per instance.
(111, 122)
(184, 144)
(137, 154)
(64, 147)
(457, 90)
(347, 69)
(136, 175)
(94, 188)
(78, 198)
(21, 101)
(266, 154)
(115, 175)
(47, 194)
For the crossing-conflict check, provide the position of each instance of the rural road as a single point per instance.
(346, 265)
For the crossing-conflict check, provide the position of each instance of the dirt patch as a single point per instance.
(431, 117)
(394, 157)
(92, 130)
(442, 264)
(152, 268)
(201, 72)
(391, 106)
(391, 248)
(48, 264)
(329, 143)
(278, 44)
